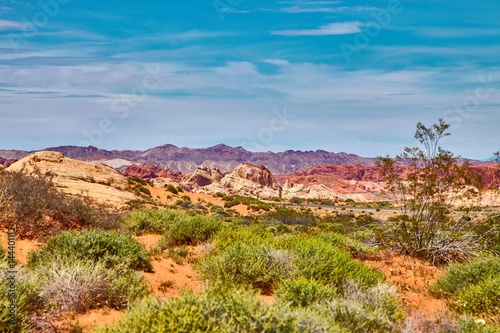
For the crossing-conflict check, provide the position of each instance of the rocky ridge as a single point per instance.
(97, 181)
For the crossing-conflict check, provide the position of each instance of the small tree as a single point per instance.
(426, 183)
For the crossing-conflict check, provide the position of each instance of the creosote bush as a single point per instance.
(109, 247)
(434, 182)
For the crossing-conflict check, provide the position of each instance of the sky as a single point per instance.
(341, 76)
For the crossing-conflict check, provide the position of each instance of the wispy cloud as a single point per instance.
(6, 25)
(342, 28)
(455, 32)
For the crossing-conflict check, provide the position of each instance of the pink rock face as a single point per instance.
(330, 174)
(150, 171)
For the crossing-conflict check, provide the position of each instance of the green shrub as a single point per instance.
(27, 299)
(245, 264)
(480, 299)
(303, 292)
(192, 230)
(109, 247)
(292, 216)
(254, 256)
(467, 325)
(362, 310)
(218, 310)
(315, 258)
(296, 200)
(172, 189)
(473, 288)
(151, 220)
(461, 276)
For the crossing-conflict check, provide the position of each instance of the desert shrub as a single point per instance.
(172, 189)
(193, 230)
(134, 180)
(109, 247)
(27, 299)
(362, 310)
(39, 211)
(279, 228)
(292, 216)
(296, 200)
(480, 299)
(315, 258)
(303, 292)
(254, 256)
(350, 244)
(184, 204)
(151, 220)
(473, 288)
(3, 254)
(251, 234)
(489, 230)
(247, 264)
(461, 276)
(218, 310)
(425, 196)
(78, 285)
(468, 325)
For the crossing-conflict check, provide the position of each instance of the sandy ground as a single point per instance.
(412, 277)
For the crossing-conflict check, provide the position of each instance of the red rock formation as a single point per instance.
(332, 173)
(6, 163)
(150, 171)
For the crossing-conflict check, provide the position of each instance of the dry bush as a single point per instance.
(30, 203)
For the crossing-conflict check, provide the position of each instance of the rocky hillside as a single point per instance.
(97, 181)
(185, 160)
(149, 172)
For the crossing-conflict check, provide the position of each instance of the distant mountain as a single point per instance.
(221, 156)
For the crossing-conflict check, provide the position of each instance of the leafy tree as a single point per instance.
(426, 183)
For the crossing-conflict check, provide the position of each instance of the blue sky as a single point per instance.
(353, 76)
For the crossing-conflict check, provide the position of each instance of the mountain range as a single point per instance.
(185, 160)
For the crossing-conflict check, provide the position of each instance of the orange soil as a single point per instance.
(22, 248)
(412, 277)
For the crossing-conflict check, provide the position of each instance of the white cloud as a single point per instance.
(341, 28)
(277, 62)
(6, 25)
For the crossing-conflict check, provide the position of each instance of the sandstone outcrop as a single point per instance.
(149, 172)
(97, 181)
(203, 176)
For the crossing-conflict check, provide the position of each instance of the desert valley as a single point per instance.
(187, 209)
